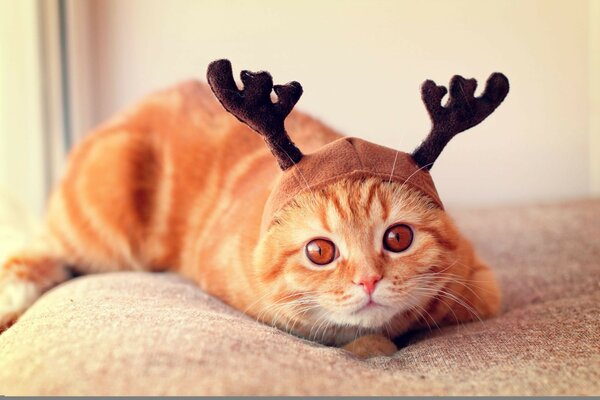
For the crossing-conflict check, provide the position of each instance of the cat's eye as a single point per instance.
(321, 251)
(398, 238)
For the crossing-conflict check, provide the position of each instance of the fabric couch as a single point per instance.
(157, 334)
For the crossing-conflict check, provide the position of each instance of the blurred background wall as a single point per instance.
(21, 124)
(361, 64)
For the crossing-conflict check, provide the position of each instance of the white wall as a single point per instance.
(361, 64)
(594, 76)
(22, 167)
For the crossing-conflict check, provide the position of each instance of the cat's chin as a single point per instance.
(371, 316)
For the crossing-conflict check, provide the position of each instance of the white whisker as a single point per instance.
(393, 167)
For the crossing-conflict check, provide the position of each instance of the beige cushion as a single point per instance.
(137, 333)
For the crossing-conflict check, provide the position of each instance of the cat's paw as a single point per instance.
(16, 295)
(371, 346)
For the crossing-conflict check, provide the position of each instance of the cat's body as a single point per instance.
(178, 184)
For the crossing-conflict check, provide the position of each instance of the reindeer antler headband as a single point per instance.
(350, 156)
(462, 111)
(253, 106)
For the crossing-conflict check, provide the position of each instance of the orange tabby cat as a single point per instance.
(178, 184)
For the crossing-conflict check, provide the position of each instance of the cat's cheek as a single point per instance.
(268, 264)
(310, 276)
(422, 254)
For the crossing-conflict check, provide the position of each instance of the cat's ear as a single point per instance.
(253, 106)
(462, 111)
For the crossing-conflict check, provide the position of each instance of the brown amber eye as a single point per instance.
(397, 238)
(321, 251)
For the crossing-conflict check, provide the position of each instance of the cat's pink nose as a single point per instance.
(368, 282)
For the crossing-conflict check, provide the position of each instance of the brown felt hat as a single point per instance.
(350, 157)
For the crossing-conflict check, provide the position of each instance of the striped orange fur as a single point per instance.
(178, 184)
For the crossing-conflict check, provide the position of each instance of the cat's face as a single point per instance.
(354, 254)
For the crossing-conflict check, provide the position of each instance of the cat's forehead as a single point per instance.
(356, 205)
(347, 158)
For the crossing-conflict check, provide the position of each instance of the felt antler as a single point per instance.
(253, 106)
(462, 111)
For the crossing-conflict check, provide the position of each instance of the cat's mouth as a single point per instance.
(371, 305)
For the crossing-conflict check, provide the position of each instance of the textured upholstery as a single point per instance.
(138, 333)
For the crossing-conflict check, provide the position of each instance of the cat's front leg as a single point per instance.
(371, 346)
(23, 278)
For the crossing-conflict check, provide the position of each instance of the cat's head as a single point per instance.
(355, 253)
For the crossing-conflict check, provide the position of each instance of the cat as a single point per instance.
(177, 184)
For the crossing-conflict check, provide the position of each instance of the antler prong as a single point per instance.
(221, 75)
(253, 106)
(287, 95)
(257, 85)
(432, 96)
(462, 111)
